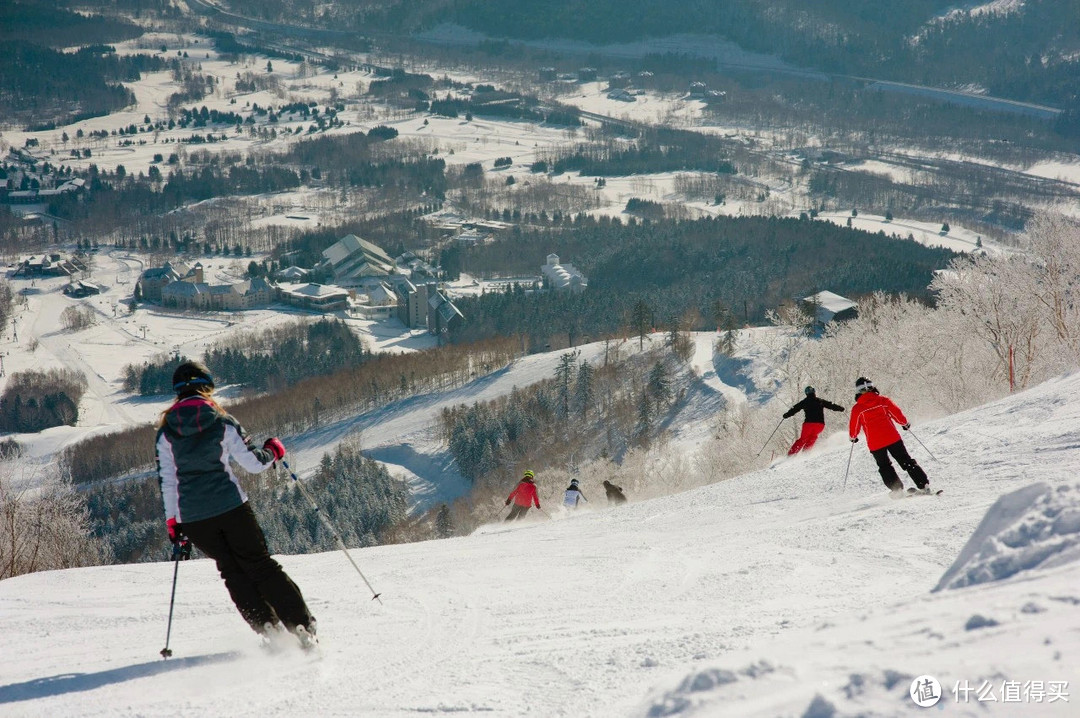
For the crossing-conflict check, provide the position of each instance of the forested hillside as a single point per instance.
(686, 270)
(43, 84)
(1025, 53)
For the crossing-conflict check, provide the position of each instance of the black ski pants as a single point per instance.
(259, 587)
(888, 473)
(517, 512)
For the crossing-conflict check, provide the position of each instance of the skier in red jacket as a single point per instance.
(523, 496)
(875, 414)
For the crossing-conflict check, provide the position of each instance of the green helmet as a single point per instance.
(528, 474)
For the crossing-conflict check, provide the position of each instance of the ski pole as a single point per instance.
(848, 464)
(334, 531)
(181, 550)
(769, 439)
(924, 446)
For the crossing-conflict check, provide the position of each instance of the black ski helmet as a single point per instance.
(191, 375)
(809, 391)
(862, 384)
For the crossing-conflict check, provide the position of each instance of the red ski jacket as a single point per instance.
(875, 414)
(524, 494)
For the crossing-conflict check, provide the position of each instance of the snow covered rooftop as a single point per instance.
(313, 290)
(833, 302)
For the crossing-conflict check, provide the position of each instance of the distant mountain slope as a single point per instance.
(1027, 53)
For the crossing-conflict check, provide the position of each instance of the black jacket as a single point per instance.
(814, 408)
(614, 493)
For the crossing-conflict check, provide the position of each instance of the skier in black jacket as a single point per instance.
(205, 503)
(614, 493)
(814, 419)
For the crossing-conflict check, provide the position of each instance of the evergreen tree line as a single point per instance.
(307, 404)
(514, 107)
(285, 355)
(358, 495)
(46, 87)
(482, 436)
(7, 305)
(616, 160)
(611, 406)
(583, 414)
(682, 269)
(652, 150)
(43, 23)
(265, 361)
(37, 400)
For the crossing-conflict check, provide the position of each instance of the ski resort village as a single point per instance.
(605, 360)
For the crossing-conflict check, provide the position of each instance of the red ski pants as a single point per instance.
(810, 432)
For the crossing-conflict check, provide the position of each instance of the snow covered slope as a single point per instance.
(773, 594)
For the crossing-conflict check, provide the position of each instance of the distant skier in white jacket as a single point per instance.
(573, 497)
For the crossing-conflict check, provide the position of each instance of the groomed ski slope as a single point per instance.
(772, 594)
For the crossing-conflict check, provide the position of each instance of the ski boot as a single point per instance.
(272, 636)
(306, 635)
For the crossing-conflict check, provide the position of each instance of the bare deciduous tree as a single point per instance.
(44, 528)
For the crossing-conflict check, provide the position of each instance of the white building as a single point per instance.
(380, 302)
(317, 297)
(563, 277)
(356, 262)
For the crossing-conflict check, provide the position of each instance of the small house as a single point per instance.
(829, 307)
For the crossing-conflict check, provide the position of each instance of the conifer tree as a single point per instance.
(563, 375)
(584, 388)
(659, 386)
(641, 320)
(444, 524)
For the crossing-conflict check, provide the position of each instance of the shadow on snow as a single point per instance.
(78, 682)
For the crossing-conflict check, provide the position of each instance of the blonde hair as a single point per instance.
(204, 392)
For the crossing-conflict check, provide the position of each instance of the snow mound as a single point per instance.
(1030, 528)
(695, 690)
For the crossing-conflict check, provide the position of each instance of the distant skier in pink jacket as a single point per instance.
(524, 495)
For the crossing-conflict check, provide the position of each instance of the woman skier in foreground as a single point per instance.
(875, 415)
(204, 502)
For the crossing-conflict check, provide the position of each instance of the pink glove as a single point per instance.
(174, 532)
(275, 447)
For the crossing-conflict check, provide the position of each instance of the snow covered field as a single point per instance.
(778, 593)
(459, 142)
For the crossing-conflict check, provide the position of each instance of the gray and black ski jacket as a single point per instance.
(193, 450)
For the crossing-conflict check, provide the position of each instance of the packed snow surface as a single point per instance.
(777, 593)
